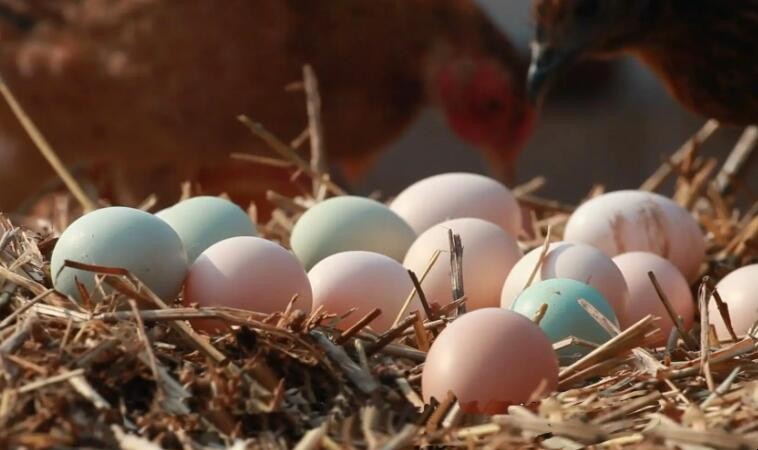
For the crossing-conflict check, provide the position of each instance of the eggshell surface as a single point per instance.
(454, 195)
(362, 280)
(565, 317)
(628, 221)
(489, 253)
(348, 223)
(575, 261)
(202, 221)
(490, 358)
(124, 238)
(739, 290)
(643, 298)
(248, 273)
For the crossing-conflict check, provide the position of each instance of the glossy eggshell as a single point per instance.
(124, 238)
(248, 273)
(739, 290)
(643, 298)
(565, 317)
(362, 280)
(490, 358)
(629, 221)
(575, 261)
(455, 195)
(346, 223)
(489, 253)
(202, 221)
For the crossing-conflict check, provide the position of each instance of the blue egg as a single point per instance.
(120, 237)
(565, 317)
(349, 223)
(202, 221)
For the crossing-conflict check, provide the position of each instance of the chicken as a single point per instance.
(706, 51)
(144, 93)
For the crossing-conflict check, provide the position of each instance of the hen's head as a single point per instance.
(478, 81)
(568, 30)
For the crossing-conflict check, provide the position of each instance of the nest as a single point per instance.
(128, 371)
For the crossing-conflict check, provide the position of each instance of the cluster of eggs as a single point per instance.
(350, 255)
(207, 246)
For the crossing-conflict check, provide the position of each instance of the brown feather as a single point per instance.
(705, 51)
(152, 87)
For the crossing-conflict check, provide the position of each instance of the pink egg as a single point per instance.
(490, 359)
(365, 281)
(489, 253)
(575, 261)
(247, 273)
(643, 298)
(739, 290)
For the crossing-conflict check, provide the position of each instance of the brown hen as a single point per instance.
(706, 51)
(145, 92)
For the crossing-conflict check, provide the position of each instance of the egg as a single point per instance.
(250, 273)
(455, 195)
(362, 280)
(202, 221)
(489, 359)
(739, 290)
(576, 261)
(125, 238)
(643, 298)
(348, 223)
(564, 316)
(489, 253)
(626, 221)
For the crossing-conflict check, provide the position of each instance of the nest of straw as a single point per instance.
(129, 371)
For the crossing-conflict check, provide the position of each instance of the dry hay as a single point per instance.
(127, 371)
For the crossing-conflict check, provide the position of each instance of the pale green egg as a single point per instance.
(565, 317)
(350, 223)
(202, 221)
(124, 238)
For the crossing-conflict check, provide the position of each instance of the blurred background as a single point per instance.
(615, 132)
(149, 91)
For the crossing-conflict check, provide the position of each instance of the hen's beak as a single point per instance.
(547, 64)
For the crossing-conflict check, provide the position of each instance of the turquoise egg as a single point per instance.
(125, 238)
(349, 223)
(202, 221)
(565, 317)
